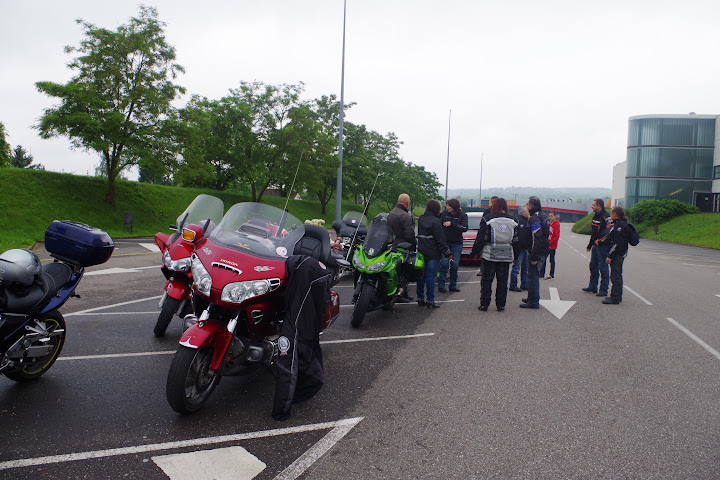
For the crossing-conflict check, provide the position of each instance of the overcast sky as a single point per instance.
(543, 90)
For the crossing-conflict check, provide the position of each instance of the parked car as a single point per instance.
(471, 234)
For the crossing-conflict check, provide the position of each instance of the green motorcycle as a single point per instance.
(377, 264)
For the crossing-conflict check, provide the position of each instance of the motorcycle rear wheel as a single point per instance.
(34, 367)
(361, 305)
(189, 382)
(169, 309)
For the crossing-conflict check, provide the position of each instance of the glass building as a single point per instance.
(670, 156)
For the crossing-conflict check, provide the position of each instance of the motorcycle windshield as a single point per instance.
(204, 207)
(259, 229)
(354, 219)
(378, 236)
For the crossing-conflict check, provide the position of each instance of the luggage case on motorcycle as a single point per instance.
(78, 243)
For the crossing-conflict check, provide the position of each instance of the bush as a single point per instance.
(655, 212)
(584, 225)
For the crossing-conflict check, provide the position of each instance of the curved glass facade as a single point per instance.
(669, 158)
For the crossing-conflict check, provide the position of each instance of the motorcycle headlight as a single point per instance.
(376, 267)
(238, 292)
(167, 261)
(179, 265)
(357, 262)
(201, 277)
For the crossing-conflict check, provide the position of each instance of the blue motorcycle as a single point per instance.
(32, 330)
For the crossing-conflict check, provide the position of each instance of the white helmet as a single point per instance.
(19, 266)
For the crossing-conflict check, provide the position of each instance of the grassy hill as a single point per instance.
(30, 200)
(699, 229)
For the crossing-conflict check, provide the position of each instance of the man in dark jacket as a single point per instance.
(402, 226)
(539, 250)
(455, 223)
(520, 265)
(601, 224)
(617, 242)
(431, 243)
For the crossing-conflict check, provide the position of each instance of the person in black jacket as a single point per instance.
(520, 265)
(455, 223)
(431, 243)
(497, 241)
(539, 250)
(402, 226)
(617, 241)
(601, 224)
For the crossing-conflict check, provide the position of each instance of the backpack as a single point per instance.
(501, 233)
(633, 237)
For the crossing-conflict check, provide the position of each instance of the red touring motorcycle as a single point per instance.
(198, 220)
(239, 277)
(32, 330)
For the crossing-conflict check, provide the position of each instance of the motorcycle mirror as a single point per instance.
(207, 224)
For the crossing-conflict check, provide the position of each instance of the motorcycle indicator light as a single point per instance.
(188, 234)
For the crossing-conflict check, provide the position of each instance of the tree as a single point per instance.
(120, 97)
(22, 159)
(4, 147)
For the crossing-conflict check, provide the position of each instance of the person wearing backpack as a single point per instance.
(497, 243)
(617, 240)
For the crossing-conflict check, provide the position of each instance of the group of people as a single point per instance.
(525, 243)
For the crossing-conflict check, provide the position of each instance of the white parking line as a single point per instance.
(694, 337)
(342, 426)
(636, 294)
(81, 312)
(170, 352)
(410, 303)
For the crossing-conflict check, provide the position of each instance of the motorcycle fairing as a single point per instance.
(208, 334)
(177, 290)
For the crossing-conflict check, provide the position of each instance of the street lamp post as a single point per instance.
(338, 198)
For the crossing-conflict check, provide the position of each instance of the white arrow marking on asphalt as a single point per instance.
(556, 306)
(229, 462)
(150, 246)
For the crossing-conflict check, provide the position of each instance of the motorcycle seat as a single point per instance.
(314, 243)
(52, 277)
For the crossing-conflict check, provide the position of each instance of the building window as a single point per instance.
(716, 172)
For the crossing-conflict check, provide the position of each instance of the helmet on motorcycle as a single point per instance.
(19, 266)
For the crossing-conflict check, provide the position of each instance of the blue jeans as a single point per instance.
(533, 281)
(456, 249)
(520, 265)
(429, 274)
(598, 268)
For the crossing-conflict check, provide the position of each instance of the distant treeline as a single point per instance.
(577, 195)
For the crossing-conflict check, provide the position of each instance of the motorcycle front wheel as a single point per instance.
(169, 309)
(33, 367)
(190, 381)
(361, 305)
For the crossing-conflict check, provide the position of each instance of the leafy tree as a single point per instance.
(120, 97)
(4, 147)
(657, 211)
(22, 159)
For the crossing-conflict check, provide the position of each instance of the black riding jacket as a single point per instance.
(458, 225)
(601, 223)
(431, 238)
(617, 238)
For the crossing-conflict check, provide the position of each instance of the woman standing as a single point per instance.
(497, 240)
(454, 223)
(554, 237)
(431, 243)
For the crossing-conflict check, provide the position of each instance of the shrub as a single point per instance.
(655, 212)
(584, 225)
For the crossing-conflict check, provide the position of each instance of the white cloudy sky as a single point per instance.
(541, 89)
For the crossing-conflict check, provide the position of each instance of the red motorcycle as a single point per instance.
(239, 278)
(198, 220)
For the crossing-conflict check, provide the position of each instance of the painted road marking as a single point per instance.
(636, 294)
(556, 306)
(220, 463)
(150, 246)
(116, 270)
(694, 337)
(409, 303)
(82, 312)
(340, 427)
(697, 265)
(170, 352)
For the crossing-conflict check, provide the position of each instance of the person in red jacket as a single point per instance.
(554, 237)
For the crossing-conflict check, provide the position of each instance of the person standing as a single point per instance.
(520, 265)
(617, 241)
(455, 223)
(539, 249)
(402, 226)
(497, 240)
(431, 243)
(554, 238)
(487, 211)
(601, 223)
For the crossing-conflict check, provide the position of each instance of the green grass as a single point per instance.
(30, 200)
(699, 229)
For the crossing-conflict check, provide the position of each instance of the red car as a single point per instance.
(469, 236)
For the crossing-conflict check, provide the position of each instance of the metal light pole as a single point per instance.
(447, 167)
(481, 165)
(338, 200)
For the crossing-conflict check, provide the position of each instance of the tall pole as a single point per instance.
(481, 165)
(338, 199)
(447, 167)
